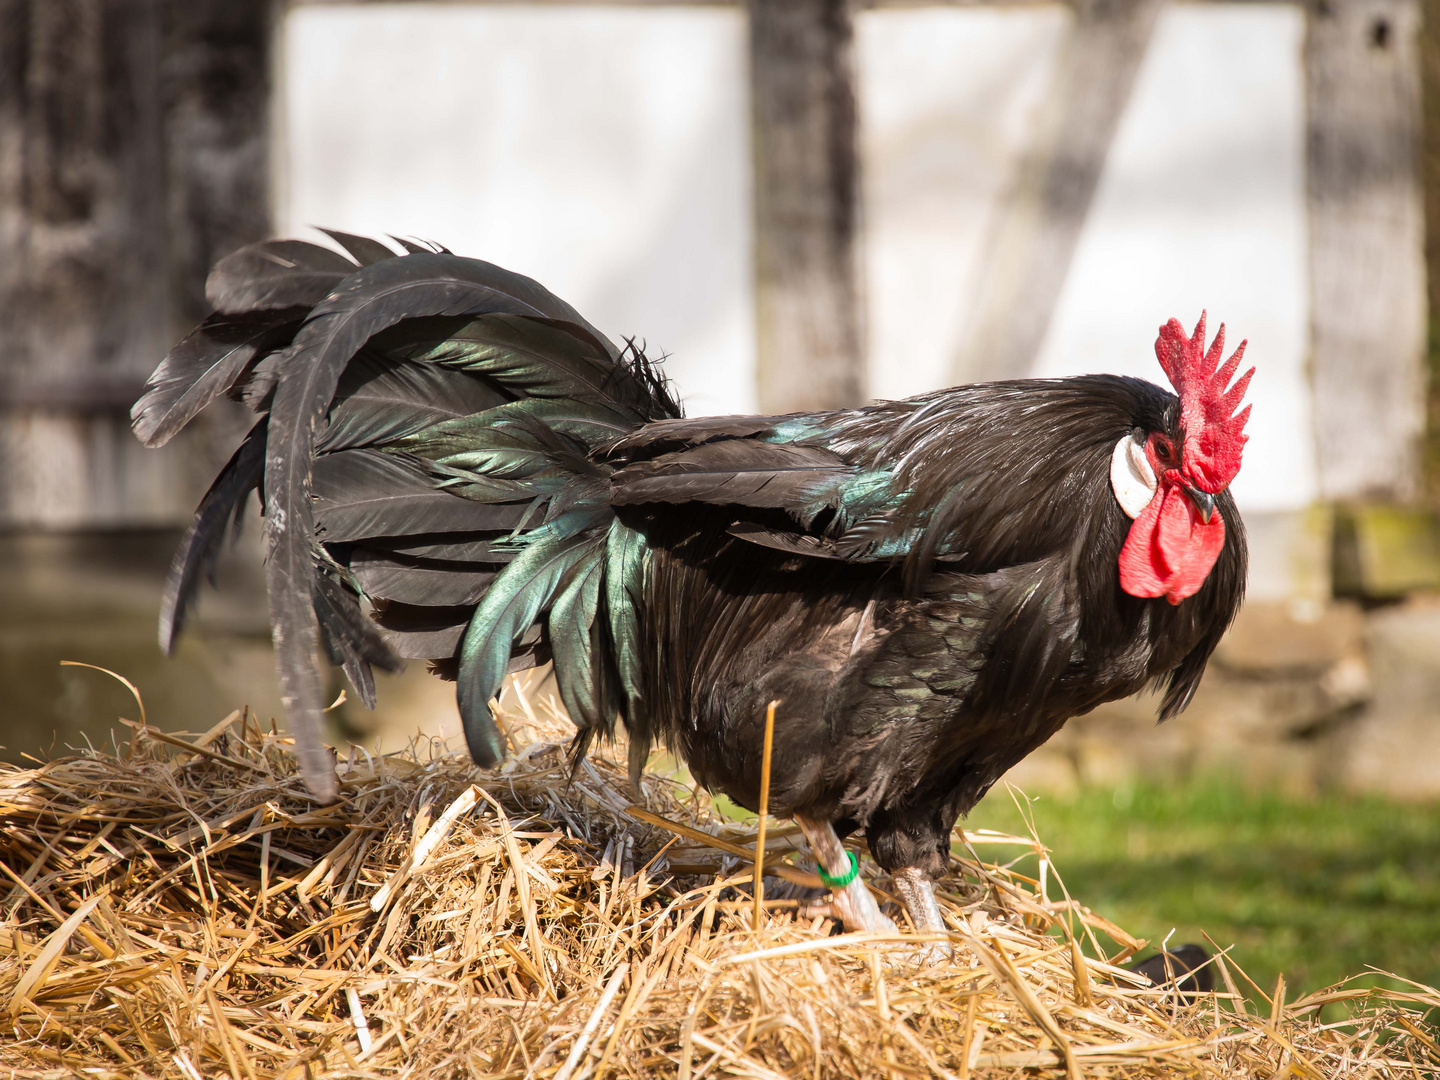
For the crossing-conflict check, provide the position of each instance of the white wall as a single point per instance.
(1201, 203)
(602, 151)
(948, 98)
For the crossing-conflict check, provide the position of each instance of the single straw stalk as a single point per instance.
(764, 814)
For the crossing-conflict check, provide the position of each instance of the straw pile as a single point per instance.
(180, 908)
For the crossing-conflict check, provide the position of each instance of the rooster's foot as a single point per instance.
(917, 892)
(852, 904)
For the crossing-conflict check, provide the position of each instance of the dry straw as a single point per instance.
(182, 909)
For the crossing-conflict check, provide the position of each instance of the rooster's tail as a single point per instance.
(424, 443)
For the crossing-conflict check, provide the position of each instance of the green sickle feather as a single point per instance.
(518, 596)
(572, 640)
(624, 589)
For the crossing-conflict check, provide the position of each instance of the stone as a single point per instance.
(1393, 747)
(1289, 556)
(1280, 638)
(1385, 552)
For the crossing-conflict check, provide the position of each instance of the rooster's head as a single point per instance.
(1167, 480)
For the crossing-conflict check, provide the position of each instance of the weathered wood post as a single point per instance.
(808, 298)
(1029, 250)
(1367, 234)
(133, 152)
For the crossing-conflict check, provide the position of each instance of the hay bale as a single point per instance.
(180, 908)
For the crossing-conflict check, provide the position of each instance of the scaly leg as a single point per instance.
(852, 904)
(917, 892)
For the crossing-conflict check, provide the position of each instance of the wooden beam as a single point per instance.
(133, 151)
(216, 96)
(1029, 250)
(893, 5)
(83, 215)
(857, 4)
(806, 204)
(76, 395)
(533, 3)
(1367, 229)
(1430, 185)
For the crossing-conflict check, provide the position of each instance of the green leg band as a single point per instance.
(845, 878)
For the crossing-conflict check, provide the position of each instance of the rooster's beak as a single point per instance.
(1203, 500)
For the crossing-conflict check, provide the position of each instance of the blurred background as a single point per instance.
(803, 204)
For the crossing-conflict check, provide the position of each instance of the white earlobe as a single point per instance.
(1131, 476)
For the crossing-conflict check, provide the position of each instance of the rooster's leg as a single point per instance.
(917, 892)
(852, 903)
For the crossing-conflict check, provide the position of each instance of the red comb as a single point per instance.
(1214, 431)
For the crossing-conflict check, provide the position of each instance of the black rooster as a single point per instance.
(932, 587)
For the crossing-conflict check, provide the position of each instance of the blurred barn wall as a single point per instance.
(134, 149)
(806, 203)
(600, 150)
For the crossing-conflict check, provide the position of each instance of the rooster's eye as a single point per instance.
(1164, 451)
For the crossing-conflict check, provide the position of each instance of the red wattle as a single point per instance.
(1170, 550)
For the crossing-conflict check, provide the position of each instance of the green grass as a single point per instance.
(1320, 889)
(1316, 888)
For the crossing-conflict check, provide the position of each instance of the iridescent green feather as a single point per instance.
(536, 357)
(519, 595)
(589, 422)
(572, 640)
(568, 524)
(627, 554)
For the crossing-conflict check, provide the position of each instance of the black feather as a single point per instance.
(579, 665)
(943, 520)
(532, 650)
(415, 581)
(205, 365)
(201, 544)
(360, 494)
(380, 400)
(275, 274)
(562, 424)
(542, 357)
(256, 389)
(422, 633)
(422, 247)
(733, 472)
(449, 547)
(787, 540)
(509, 609)
(435, 633)
(350, 637)
(1030, 636)
(367, 302)
(361, 677)
(666, 435)
(362, 249)
(438, 644)
(349, 626)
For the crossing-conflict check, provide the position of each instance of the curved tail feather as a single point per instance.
(200, 546)
(426, 448)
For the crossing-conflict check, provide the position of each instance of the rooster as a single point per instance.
(930, 587)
